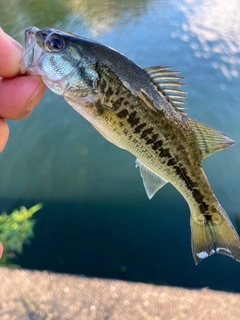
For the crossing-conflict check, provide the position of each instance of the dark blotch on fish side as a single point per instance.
(146, 132)
(182, 172)
(133, 119)
(157, 145)
(171, 162)
(208, 218)
(117, 91)
(109, 92)
(199, 198)
(103, 85)
(117, 104)
(164, 152)
(153, 139)
(139, 128)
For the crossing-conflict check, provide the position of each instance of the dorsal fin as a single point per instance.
(168, 82)
(209, 140)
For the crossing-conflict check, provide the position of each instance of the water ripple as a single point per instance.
(212, 30)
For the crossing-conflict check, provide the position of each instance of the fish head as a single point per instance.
(63, 61)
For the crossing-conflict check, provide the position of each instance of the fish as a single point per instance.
(141, 111)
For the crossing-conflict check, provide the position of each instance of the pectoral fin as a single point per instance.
(151, 181)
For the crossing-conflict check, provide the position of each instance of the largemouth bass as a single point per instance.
(139, 110)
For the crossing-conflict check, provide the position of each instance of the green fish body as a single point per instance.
(140, 111)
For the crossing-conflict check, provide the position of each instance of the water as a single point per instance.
(96, 218)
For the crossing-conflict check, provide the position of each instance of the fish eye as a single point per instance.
(55, 43)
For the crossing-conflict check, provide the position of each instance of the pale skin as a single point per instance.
(19, 94)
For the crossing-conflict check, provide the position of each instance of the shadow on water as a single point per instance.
(130, 242)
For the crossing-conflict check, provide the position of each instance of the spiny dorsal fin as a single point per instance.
(209, 140)
(168, 83)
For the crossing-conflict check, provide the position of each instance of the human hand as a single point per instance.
(19, 94)
(1, 250)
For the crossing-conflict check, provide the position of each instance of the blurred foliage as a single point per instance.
(15, 230)
(99, 17)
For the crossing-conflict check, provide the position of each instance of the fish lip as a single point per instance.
(31, 51)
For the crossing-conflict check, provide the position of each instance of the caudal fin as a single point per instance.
(214, 234)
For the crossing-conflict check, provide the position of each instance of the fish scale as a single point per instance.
(141, 111)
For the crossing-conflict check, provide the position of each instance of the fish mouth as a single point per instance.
(31, 51)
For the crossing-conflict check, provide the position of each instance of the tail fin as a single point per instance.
(214, 234)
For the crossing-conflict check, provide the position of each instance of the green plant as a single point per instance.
(15, 230)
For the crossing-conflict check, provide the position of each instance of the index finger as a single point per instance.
(10, 55)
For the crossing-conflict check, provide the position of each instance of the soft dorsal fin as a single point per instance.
(169, 84)
(209, 140)
(152, 182)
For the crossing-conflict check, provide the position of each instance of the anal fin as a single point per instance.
(151, 181)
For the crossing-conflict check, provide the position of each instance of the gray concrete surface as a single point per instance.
(34, 295)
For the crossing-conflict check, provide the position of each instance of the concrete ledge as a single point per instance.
(34, 295)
